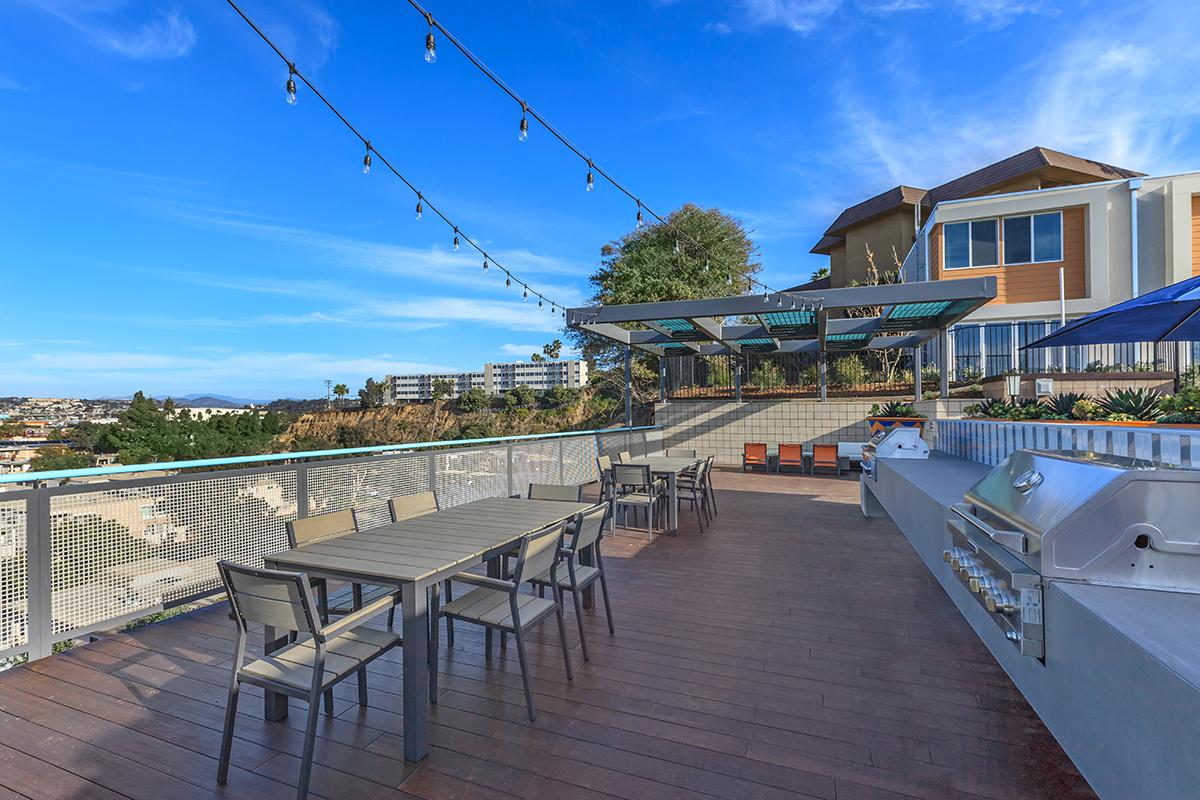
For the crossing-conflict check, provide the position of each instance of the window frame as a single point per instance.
(1033, 240)
(996, 222)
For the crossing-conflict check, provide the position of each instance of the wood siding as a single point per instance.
(1196, 234)
(1029, 283)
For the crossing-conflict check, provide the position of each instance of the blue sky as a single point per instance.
(169, 223)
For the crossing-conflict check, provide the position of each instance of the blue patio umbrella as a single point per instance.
(1170, 314)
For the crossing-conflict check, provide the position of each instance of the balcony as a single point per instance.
(794, 649)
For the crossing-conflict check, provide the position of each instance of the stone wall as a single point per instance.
(721, 427)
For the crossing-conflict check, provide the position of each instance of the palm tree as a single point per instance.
(341, 390)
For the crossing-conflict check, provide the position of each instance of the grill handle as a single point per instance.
(1013, 540)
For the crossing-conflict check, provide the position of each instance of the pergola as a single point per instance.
(790, 322)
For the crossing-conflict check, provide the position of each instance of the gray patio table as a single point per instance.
(671, 469)
(414, 555)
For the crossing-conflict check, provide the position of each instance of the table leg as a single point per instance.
(493, 571)
(275, 705)
(416, 672)
(672, 503)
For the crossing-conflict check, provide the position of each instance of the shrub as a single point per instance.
(994, 409)
(1182, 407)
(474, 399)
(1063, 402)
(894, 408)
(1121, 418)
(810, 375)
(970, 374)
(766, 375)
(849, 370)
(904, 376)
(719, 373)
(931, 374)
(562, 396)
(1030, 409)
(1086, 410)
(1140, 404)
(930, 394)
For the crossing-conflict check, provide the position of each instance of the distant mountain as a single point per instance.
(214, 401)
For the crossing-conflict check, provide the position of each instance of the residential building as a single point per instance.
(495, 379)
(1036, 221)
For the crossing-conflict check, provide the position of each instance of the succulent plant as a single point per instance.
(894, 408)
(1141, 404)
(1182, 407)
(994, 409)
(1030, 409)
(1063, 402)
(1121, 418)
(1086, 410)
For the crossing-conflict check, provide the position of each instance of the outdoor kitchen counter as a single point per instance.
(1120, 687)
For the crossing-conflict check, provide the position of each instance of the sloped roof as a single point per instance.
(826, 244)
(1023, 163)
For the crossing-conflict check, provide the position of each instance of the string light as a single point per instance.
(539, 301)
(507, 280)
(567, 143)
(706, 265)
(525, 294)
(766, 298)
(430, 43)
(640, 220)
(524, 133)
(295, 77)
(676, 246)
(291, 85)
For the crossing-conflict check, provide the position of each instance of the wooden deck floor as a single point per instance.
(794, 650)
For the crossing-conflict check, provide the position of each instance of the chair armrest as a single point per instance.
(356, 618)
(485, 581)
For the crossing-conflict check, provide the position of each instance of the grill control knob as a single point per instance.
(1014, 636)
(990, 583)
(961, 561)
(976, 581)
(1002, 601)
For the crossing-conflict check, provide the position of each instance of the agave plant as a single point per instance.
(994, 409)
(1141, 404)
(1063, 402)
(894, 408)
(1030, 409)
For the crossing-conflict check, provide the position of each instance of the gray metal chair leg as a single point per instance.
(310, 740)
(449, 622)
(579, 621)
(227, 734)
(329, 702)
(362, 686)
(607, 605)
(525, 674)
(562, 631)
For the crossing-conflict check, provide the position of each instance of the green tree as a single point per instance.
(821, 272)
(473, 399)
(341, 390)
(57, 457)
(537, 358)
(520, 397)
(372, 395)
(441, 389)
(562, 396)
(553, 351)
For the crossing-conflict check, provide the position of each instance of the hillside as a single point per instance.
(429, 422)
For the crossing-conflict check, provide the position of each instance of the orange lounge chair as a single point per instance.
(754, 454)
(790, 455)
(826, 455)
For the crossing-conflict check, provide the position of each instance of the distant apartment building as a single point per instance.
(495, 379)
(1032, 220)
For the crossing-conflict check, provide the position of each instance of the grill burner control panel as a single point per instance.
(1007, 589)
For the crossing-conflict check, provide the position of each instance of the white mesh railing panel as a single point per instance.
(118, 551)
(366, 486)
(579, 460)
(463, 476)
(535, 462)
(14, 575)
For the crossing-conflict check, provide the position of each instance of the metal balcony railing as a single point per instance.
(80, 552)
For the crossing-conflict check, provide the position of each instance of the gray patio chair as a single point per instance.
(410, 506)
(307, 530)
(680, 452)
(633, 486)
(586, 531)
(624, 457)
(498, 604)
(691, 489)
(553, 491)
(306, 669)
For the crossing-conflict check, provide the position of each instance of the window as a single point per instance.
(970, 244)
(1033, 239)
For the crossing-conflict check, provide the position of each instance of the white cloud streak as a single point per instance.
(167, 35)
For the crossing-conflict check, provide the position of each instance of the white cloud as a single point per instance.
(521, 350)
(8, 84)
(998, 13)
(168, 35)
(807, 16)
(511, 315)
(801, 16)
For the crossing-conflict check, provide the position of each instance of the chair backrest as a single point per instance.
(538, 552)
(754, 451)
(412, 505)
(631, 474)
(680, 452)
(587, 527)
(791, 453)
(269, 597)
(624, 457)
(323, 526)
(825, 455)
(553, 491)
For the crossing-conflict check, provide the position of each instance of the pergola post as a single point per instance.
(822, 377)
(662, 379)
(628, 386)
(944, 372)
(737, 378)
(916, 361)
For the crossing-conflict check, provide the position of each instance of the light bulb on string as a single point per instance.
(420, 209)
(456, 240)
(591, 179)
(706, 265)
(729, 280)
(430, 42)
(640, 220)
(525, 294)
(485, 263)
(780, 303)
(540, 302)
(523, 134)
(766, 298)
(676, 246)
(507, 280)
(367, 161)
(291, 85)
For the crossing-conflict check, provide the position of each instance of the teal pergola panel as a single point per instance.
(918, 316)
(840, 342)
(680, 329)
(757, 345)
(790, 324)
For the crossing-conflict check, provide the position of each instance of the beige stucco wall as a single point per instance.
(893, 229)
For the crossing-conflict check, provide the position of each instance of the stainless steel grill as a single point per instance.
(900, 442)
(1076, 516)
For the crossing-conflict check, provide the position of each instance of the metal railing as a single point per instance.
(991, 441)
(80, 557)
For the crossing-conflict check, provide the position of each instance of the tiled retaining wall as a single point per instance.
(990, 442)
